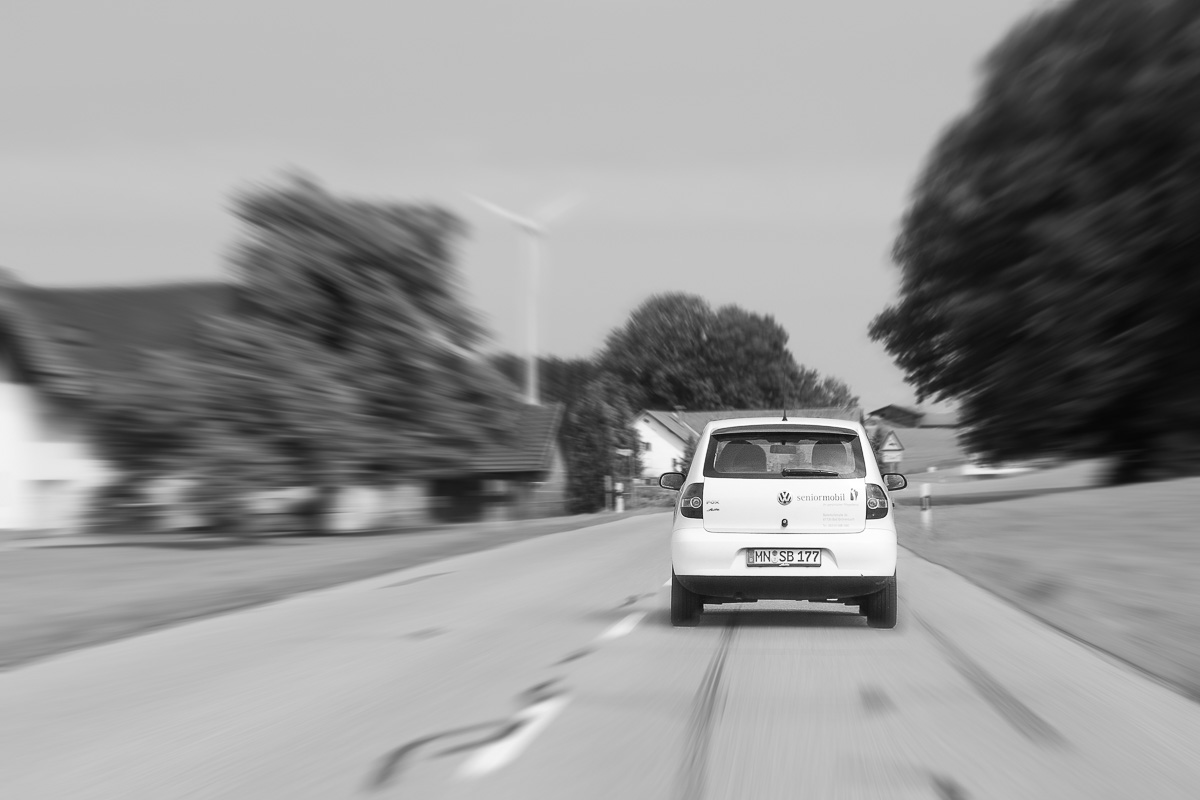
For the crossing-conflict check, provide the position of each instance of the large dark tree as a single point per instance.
(371, 290)
(1050, 258)
(350, 359)
(675, 350)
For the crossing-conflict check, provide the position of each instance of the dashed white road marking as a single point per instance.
(622, 627)
(533, 720)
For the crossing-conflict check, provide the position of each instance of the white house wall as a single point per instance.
(661, 449)
(47, 467)
(16, 432)
(364, 508)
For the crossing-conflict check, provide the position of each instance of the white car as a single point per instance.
(784, 509)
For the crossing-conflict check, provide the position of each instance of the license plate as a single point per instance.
(787, 557)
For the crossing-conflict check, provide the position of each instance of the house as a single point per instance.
(55, 343)
(666, 435)
(43, 449)
(896, 416)
(522, 479)
(665, 438)
(939, 418)
(932, 416)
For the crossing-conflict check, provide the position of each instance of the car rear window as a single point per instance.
(784, 454)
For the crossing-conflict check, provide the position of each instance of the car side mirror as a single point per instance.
(671, 480)
(895, 481)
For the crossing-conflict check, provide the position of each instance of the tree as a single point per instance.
(689, 452)
(369, 291)
(1050, 266)
(676, 351)
(596, 425)
(145, 419)
(560, 380)
(597, 420)
(351, 358)
(278, 399)
(247, 407)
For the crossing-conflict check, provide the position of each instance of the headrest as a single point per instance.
(742, 457)
(830, 455)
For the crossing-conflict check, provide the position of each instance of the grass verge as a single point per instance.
(55, 599)
(1115, 567)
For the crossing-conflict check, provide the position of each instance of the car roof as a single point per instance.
(778, 423)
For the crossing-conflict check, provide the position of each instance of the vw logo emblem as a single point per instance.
(784, 498)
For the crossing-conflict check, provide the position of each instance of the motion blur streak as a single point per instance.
(314, 697)
(707, 708)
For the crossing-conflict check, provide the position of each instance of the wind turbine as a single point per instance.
(536, 233)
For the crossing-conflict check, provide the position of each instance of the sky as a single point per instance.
(759, 153)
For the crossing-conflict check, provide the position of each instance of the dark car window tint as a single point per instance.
(767, 455)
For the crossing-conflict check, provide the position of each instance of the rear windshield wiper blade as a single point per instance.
(791, 472)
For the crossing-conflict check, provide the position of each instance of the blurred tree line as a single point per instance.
(674, 352)
(677, 351)
(350, 358)
(1050, 258)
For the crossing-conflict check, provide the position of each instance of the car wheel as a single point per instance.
(685, 605)
(881, 606)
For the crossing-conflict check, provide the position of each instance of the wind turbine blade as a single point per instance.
(503, 212)
(557, 209)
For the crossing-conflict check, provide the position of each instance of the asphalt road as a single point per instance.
(548, 669)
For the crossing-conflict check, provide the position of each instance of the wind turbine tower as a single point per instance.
(535, 232)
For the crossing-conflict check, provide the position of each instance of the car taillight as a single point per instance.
(691, 505)
(877, 502)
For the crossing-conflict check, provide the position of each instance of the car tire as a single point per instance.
(881, 606)
(685, 605)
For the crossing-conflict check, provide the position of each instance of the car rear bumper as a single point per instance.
(870, 553)
(782, 587)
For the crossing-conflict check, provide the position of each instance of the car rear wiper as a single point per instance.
(792, 472)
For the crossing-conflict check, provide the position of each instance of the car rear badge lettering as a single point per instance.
(784, 498)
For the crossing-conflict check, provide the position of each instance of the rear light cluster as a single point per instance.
(691, 505)
(877, 502)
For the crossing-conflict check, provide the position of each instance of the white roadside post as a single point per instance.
(619, 489)
(926, 507)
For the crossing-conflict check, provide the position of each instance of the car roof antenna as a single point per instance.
(785, 415)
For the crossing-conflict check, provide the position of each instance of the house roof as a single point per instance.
(108, 329)
(686, 424)
(894, 407)
(672, 421)
(939, 419)
(931, 416)
(35, 351)
(532, 448)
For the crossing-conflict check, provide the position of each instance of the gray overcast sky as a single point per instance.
(754, 152)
